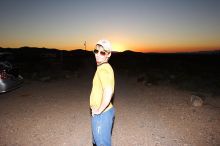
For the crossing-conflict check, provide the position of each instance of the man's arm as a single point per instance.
(107, 96)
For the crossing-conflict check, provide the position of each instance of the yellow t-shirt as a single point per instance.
(104, 77)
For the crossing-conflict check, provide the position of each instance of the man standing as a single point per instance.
(102, 109)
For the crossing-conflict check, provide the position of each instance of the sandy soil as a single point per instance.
(56, 113)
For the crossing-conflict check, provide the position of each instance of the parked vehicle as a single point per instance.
(10, 78)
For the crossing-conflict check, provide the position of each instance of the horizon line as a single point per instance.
(145, 52)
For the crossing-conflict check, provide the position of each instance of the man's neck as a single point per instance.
(100, 63)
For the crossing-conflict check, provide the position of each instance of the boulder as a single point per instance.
(196, 101)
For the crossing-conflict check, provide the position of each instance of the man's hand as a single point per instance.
(95, 112)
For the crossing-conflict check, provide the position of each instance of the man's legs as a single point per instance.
(102, 127)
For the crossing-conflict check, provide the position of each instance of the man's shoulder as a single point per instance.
(105, 68)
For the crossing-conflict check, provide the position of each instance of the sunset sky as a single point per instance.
(138, 25)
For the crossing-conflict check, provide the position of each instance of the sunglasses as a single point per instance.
(96, 51)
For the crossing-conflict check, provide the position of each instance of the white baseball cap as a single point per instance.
(105, 44)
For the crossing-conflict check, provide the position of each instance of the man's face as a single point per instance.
(101, 55)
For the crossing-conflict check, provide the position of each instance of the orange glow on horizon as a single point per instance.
(121, 48)
(118, 47)
(176, 49)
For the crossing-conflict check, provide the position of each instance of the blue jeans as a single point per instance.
(102, 127)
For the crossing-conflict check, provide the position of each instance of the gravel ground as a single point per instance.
(57, 113)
